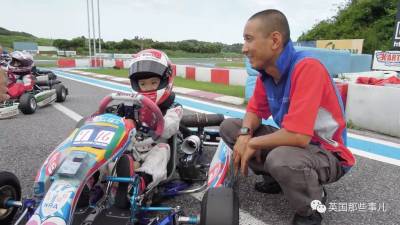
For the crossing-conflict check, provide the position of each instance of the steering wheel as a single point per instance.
(149, 114)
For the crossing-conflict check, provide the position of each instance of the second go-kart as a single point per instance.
(106, 138)
(29, 87)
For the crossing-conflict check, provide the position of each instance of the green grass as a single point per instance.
(231, 90)
(230, 64)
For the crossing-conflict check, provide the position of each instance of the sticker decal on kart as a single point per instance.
(58, 198)
(94, 136)
(220, 172)
(52, 163)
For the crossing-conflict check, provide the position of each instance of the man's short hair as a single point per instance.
(273, 20)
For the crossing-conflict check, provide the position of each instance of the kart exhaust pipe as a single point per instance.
(191, 144)
(202, 120)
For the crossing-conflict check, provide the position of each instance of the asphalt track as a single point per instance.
(368, 194)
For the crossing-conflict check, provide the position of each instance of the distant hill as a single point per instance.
(6, 32)
(371, 20)
(7, 38)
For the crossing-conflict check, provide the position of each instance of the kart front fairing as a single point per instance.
(100, 140)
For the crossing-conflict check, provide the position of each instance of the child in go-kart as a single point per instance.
(150, 74)
(19, 74)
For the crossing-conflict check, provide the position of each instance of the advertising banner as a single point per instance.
(386, 60)
(353, 45)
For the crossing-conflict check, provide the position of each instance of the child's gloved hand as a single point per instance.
(145, 145)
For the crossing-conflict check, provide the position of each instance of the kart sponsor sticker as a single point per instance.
(219, 172)
(104, 137)
(34, 220)
(94, 136)
(109, 118)
(52, 163)
(83, 135)
(59, 196)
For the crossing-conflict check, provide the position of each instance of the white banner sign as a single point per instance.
(386, 60)
(122, 56)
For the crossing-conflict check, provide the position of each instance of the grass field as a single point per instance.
(231, 90)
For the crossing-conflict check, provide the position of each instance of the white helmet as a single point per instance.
(152, 63)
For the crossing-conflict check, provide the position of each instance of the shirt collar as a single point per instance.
(284, 60)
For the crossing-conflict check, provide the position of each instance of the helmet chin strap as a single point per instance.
(167, 103)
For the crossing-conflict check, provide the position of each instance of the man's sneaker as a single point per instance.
(123, 169)
(268, 185)
(313, 219)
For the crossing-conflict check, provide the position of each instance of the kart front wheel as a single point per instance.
(220, 206)
(10, 189)
(27, 103)
(61, 92)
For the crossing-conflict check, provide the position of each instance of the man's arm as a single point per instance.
(282, 137)
(251, 120)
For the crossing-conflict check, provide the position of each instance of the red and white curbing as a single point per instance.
(212, 75)
(179, 90)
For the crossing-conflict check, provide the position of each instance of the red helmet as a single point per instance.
(152, 63)
(21, 63)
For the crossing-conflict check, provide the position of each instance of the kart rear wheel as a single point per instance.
(27, 103)
(220, 206)
(61, 92)
(10, 189)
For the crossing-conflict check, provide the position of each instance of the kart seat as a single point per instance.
(171, 166)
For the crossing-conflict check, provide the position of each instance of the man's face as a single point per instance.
(257, 45)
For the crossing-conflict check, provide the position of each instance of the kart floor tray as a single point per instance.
(112, 216)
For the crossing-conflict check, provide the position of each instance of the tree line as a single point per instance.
(371, 20)
(80, 44)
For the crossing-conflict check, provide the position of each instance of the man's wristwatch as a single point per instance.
(245, 131)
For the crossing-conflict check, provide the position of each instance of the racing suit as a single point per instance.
(155, 155)
(18, 84)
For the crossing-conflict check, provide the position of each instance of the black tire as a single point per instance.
(51, 75)
(10, 188)
(27, 103)
(220, 206)
(61, 92)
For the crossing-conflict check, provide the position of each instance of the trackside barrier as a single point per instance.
(374, 108)
(66, 63)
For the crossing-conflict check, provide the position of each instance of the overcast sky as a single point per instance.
(161, 20)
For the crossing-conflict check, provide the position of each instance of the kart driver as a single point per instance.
(20, 78)
(150, 74)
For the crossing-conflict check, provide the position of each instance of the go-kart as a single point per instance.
(102, 141)
(46, 89)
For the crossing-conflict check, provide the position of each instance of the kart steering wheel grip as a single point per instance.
(139, 100)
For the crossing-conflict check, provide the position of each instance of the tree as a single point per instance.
(370, 20)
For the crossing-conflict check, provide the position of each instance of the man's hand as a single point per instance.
(238, 151)
(248, 154)
(3, 86)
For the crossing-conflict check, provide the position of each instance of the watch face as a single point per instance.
(244, 130)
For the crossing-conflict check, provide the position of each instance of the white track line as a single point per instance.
(375, 157)
(71, 114)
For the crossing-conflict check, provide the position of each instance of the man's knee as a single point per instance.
(229, 129)
(283, 159)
